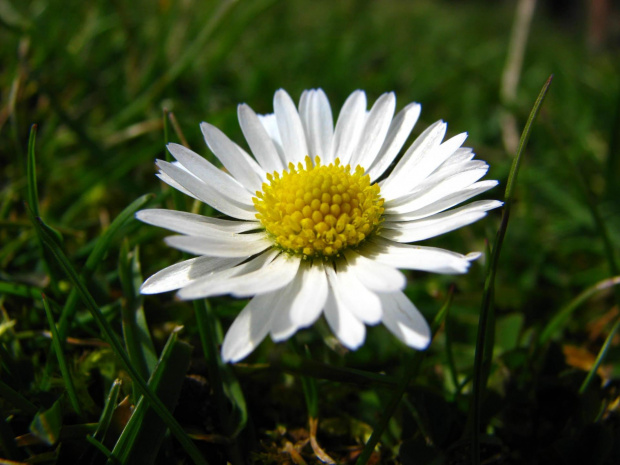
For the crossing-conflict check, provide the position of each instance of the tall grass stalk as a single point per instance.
(483, 352)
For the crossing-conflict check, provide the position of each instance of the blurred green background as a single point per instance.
(96, 77)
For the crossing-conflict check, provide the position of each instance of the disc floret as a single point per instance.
(319, 210)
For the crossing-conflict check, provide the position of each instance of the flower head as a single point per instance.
(318, 221)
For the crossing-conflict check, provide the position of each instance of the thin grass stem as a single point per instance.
(565, 313)
(62, 361)
(33, 194)
(600, 357)
(486, 311)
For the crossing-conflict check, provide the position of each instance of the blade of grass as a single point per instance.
(47, 424)
(177, 129)
(144, 432)
(62, 361)
(178, 197)
(135, 329)
(31, 172)
(295, 364)
(560, 319)
(308, 383)
(600, 357)
(33, 200)
(103, 449)
(485, 329)
(450, 358)
(16, 399)
(21, 290)
(414, 364)
(311, 395)
(109, 335)
(108, 410)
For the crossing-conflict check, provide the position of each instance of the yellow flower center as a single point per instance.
(318, 210)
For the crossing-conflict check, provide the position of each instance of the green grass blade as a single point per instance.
(108, 410)
(414, 366)
(16, 399)
(142, 436)
(21, 290)
(308, 383)
(109, 335)
(103, 449)
(46, 425)
(485, 329)
(178, 198)
(31, 172)
(600, 357)
(295, 364)
(135, 329)
(62, 361)
(563, 316)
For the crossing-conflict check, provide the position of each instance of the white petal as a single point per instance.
(275, 275)
(425, 159)
(270, 124)
(290, 128)
(397, 135)
(357, 298)
(171, 182)
(461, 155)
(403, 319)
(237, 245)
(261, 144)
(416, 257)
(258, 262)
(249, 328)
(350, 331)
(209, 174)
(374, 275)
(448, 186)
(192, 224)
(207, 193)
(354, 295)
(438, 224)
(349, 126)
(375, 130)
(430, 138)
(184, 273)
(443, 203)
(300, 302)
(238, 163)
(447, 170)
(318, 122)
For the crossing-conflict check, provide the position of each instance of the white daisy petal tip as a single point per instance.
(319, 253)
(471, 256)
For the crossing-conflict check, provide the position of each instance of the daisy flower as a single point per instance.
(317, 220)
